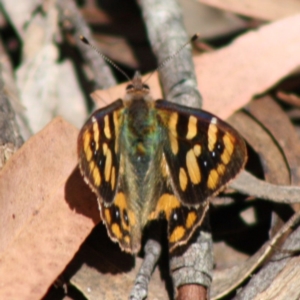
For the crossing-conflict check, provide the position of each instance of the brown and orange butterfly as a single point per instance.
(149, 159)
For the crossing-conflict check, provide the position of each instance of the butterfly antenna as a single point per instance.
(170, 57)
(84, 40)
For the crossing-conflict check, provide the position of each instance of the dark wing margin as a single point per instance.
(99, 162)
(203, 153)
(98, 150)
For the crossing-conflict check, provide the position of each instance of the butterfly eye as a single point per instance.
(129, 87)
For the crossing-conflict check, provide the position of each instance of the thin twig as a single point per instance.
(238, 274)
(166, 33)
(248, 184)
(103, 77)
(10, 137)
(277, 262)
(152, 253)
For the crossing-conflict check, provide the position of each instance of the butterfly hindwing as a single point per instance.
(185, 220)
(121, 223)
(99, 156)
(182, 220)
(202, 152)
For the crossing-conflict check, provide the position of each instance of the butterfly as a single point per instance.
(148, 160)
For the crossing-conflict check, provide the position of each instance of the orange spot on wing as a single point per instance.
(106, 127)
(86, 138)
(221, 169)
(192, 128)
(190, 220)
(177, 234)
(183, 180)
(96, 134)
(212, 136)
(115, 229)
(213, 179)
(173, 132)
(193, 167)
(228, 140)
(120, 201)
(96, 177)
(127, 239)
(113, 178)
(166, 203)
(131, 217)
(107, 216)
(197, 150)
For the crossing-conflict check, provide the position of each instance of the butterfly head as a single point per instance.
(137, 89)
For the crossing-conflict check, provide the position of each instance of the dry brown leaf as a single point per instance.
(227, 280)
(273, 161)
(94, 15)
(271, 138)
(290, 99)
(228, 78)
(118, 49)
(265, 10)
(226, 256)
(284, 286)
(283, 132)
(213, 22)
(277, 279)
(46, 211)
(108, 284)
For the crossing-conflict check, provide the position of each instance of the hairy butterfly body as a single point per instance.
(149, 159)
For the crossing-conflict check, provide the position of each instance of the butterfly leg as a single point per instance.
(152, 254)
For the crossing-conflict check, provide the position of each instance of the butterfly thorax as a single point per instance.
(140, 134)
(140, 129)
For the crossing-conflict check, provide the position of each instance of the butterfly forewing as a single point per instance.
(203, 153)
(100, 158)
(98, 149)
